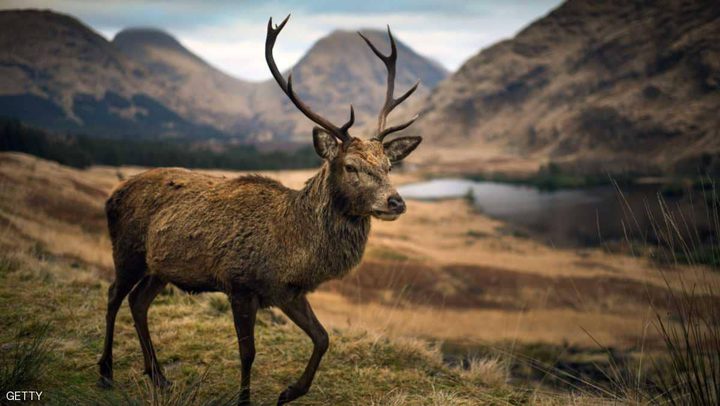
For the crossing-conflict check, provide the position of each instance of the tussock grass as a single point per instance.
(8, 264)
(141, 392)
(219, 304)
(23, 360)
(690, 372)
(687, 370)
(491, 371)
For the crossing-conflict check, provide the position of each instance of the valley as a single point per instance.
(442, 271)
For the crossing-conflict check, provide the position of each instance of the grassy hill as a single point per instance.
(53, 313)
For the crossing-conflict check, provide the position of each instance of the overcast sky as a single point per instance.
(230, 34)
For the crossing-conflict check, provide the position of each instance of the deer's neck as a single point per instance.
(338, 239)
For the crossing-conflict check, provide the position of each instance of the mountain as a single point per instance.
(338, 70)
(593, 86)
(200, 92)
(57, 73)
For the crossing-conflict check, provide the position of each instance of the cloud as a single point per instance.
(230, 34)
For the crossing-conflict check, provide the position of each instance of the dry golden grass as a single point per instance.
(551, 299)
(442, 273)
(488, 371)
(485, 325)
(486, 158)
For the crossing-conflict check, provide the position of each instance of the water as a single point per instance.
(568, 218)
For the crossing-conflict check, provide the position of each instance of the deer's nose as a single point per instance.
(396, 204)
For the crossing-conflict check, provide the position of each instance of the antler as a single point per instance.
(390, 62)
(340, 133)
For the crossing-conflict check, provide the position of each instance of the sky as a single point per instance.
(230, 34)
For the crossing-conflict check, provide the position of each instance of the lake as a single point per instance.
(569, 217)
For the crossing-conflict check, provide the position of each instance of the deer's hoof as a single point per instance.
(290, 394)
(244, 399)
(105, 383)
(163, 383)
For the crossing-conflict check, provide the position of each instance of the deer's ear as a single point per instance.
(397, 149)
(325, 144)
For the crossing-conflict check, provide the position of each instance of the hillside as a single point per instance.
(593, 86)
(473, 282)
(59, 74)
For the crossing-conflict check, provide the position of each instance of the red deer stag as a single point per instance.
(252, 238)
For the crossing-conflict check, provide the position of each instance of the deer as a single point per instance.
(261, 243)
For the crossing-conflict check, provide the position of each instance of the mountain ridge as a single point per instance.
(590, 86)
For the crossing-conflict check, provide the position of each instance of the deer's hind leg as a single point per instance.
(140, 299)
(244, 308)
(116, 294)
(129, 269)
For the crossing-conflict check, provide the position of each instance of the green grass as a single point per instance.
(219, 304)
(196, 344)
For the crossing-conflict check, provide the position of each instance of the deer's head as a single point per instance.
(358, 168)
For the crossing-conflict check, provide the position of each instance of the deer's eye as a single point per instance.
(350, 169)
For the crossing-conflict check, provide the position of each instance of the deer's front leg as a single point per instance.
(244, 308)
(300, 312)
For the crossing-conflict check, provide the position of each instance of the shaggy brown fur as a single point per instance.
(251, 237)
(203, 233)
